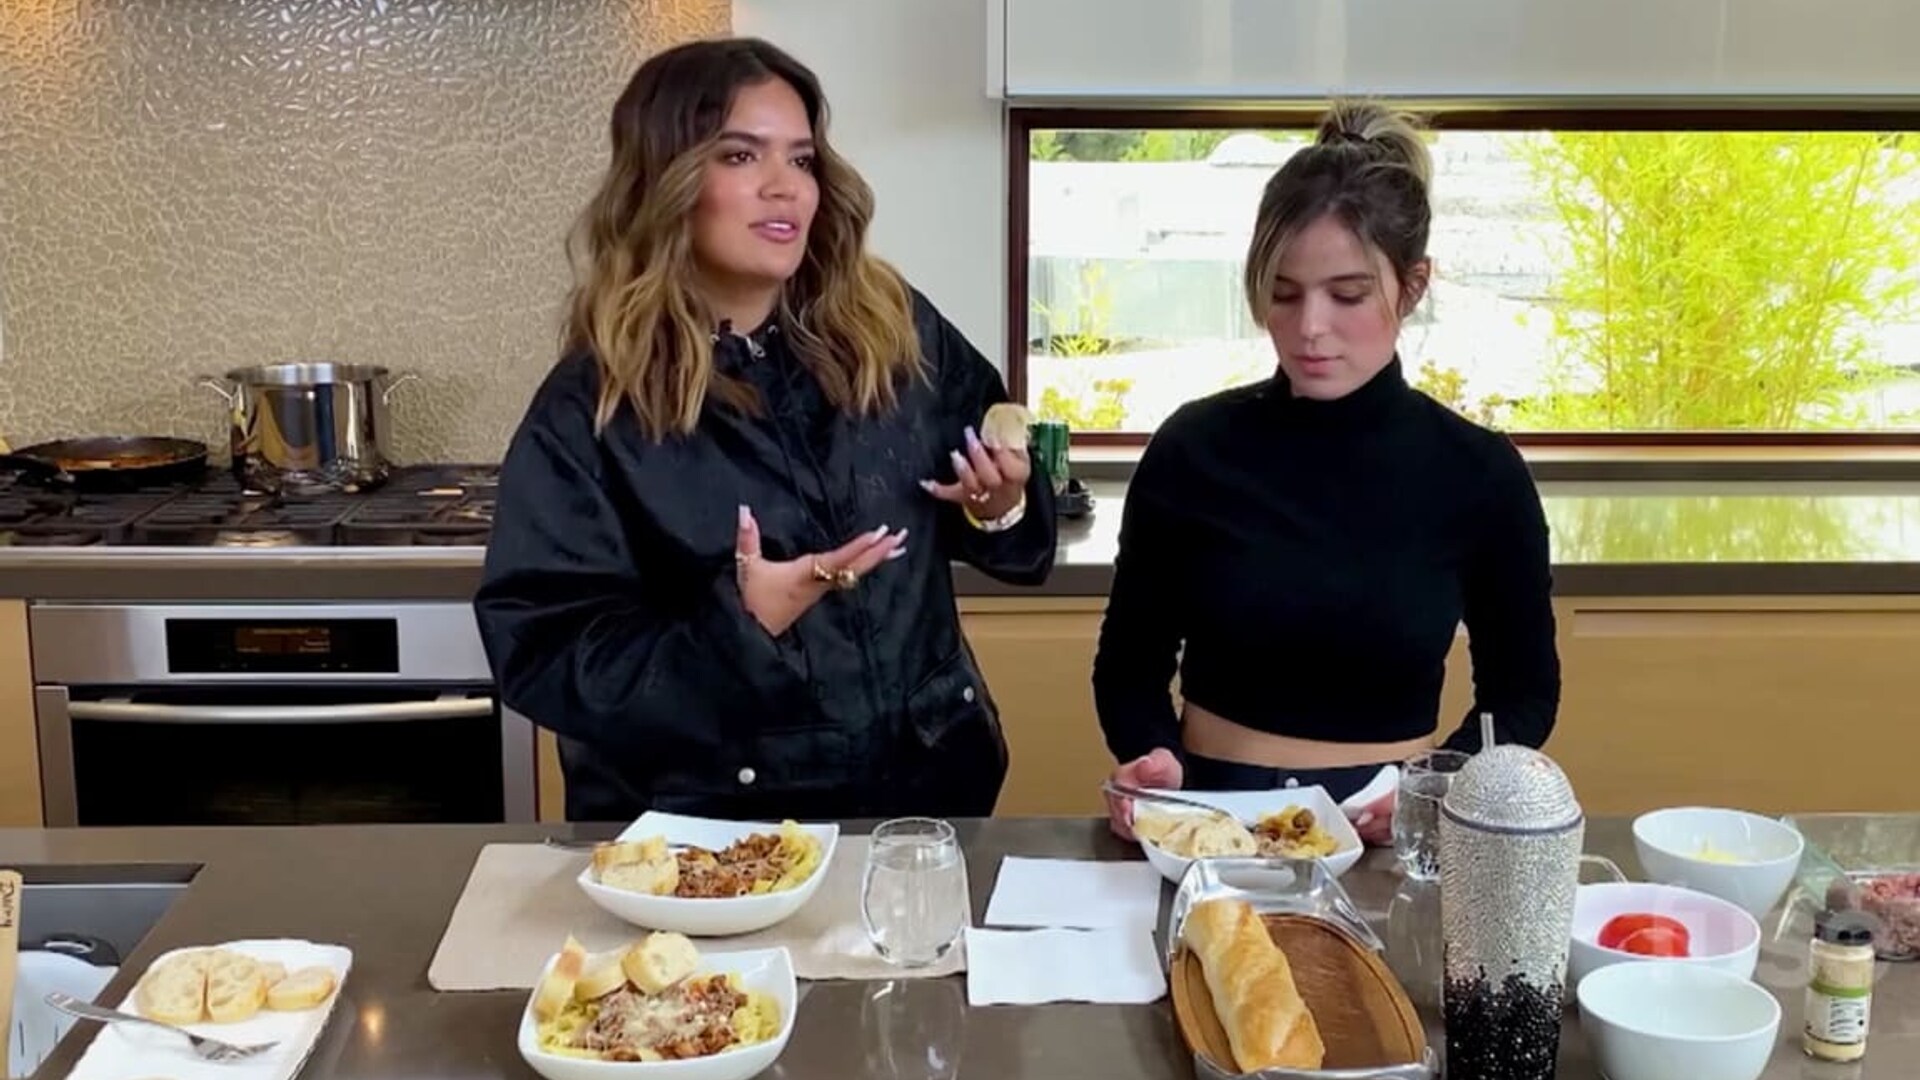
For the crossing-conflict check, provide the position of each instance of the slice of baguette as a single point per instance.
(619, 853)
(556, 989)
(600, 981)
(303, 989)
(174, 991)
(236, 988)
(660, 961)
(273, 971)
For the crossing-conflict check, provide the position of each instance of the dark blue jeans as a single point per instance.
(1213, 774)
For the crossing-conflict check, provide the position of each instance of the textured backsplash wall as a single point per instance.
(188, 186)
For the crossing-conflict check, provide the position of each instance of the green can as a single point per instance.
(1051, 440)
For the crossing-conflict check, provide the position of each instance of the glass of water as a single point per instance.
(913, 897)
(1424, 781)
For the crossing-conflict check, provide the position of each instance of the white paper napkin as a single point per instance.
(1079, 893)
(1114, 966)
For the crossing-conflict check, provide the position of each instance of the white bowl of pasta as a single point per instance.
(708, 877)
(1297, 823)
(658, 1010)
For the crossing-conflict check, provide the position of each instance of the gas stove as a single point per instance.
(418, 506)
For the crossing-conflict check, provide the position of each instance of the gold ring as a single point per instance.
(821, 573)
(979, 496)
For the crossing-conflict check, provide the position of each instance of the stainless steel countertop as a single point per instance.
(1700, 538)
(387, 892)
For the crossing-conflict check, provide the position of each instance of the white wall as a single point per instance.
(906, 80)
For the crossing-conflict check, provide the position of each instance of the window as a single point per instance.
(1598, 276)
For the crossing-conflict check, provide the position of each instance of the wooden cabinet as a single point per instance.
(19, 742)
(1774, 705)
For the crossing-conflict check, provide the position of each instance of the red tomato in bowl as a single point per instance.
(1618, 929)
(1655, 941)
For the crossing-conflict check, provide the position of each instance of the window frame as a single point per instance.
(1845, 115)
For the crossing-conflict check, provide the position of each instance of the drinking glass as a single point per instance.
(913, 897)
(1424, 781)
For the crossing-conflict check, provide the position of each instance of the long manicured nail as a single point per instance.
(927, 486)
(958, 461)
(745, 515)
(973, 437)
(879, 532)
(901, 536)
(896, 553)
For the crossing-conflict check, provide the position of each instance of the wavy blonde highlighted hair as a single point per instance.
(848, 314)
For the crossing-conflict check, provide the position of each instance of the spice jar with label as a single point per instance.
(1840, 986)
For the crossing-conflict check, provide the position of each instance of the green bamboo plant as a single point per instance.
(1719, 280)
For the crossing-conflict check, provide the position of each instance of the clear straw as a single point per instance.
(1486, 730)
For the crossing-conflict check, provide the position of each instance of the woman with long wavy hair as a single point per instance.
(720, 563)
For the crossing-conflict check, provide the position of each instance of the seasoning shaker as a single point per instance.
(1840, 990)
(1511, 833)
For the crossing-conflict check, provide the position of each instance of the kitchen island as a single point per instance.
(386, 893)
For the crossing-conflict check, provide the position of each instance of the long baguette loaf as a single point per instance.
(1251, 984)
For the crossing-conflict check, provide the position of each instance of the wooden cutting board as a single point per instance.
(9, 955)
(1363, 1013)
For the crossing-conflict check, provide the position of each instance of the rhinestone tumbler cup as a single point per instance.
(1510, 839)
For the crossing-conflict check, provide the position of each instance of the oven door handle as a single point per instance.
(450, 707)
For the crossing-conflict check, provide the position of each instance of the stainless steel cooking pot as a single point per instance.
(304, 428)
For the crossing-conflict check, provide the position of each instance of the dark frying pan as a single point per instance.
(110, 462)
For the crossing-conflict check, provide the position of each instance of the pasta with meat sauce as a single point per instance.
(647, 1005)
(752, 865)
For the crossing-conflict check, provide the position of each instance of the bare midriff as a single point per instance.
(1211, 735)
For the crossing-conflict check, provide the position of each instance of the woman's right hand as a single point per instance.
(1158, 769)
(778, 592)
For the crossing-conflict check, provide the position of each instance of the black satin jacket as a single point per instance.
(611, 614)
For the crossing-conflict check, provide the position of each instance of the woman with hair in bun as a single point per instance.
(720, 566)
(1304, 549)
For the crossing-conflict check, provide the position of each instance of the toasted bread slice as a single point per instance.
(650, 878)
(273, 971)
(660, 961)
(174, 991)
(621, 852)
(236, 987)
(303, 989)
(556, 989)
(600, 981)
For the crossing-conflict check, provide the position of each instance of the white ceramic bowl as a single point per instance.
(1250, 807)
(1677, 1022)
(707, 918)
(1670, 844)
(767, 970)
(1722, 936)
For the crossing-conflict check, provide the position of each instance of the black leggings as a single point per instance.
(1213, 774)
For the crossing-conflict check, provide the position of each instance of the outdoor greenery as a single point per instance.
(1707, 280)
(1717, 280)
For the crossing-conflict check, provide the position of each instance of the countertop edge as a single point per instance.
(442, 574)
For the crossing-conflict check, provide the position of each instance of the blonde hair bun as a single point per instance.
(1394, 135)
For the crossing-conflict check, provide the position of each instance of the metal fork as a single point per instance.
(210, 1049)
(1127, 791)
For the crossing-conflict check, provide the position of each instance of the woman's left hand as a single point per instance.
(989, 480)
(1374, 821)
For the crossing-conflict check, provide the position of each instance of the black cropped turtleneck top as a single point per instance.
(1308, 563)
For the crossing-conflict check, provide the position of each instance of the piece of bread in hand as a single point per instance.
(660, 961)
(1006, 425)
(1267, 1023)
(303, 989)
(175, 990)
(236, 987)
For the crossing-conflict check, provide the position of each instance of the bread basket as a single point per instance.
(1371, 1027)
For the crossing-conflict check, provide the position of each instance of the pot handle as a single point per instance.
(386, 396)
(219, 386)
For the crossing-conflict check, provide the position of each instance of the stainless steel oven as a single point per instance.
(273, 714)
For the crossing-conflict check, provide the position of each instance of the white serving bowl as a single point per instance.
(707, 918)
(1249, 807)
(1723, 936)
(769, 971)
(1677, 1022)
(1670, 843)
